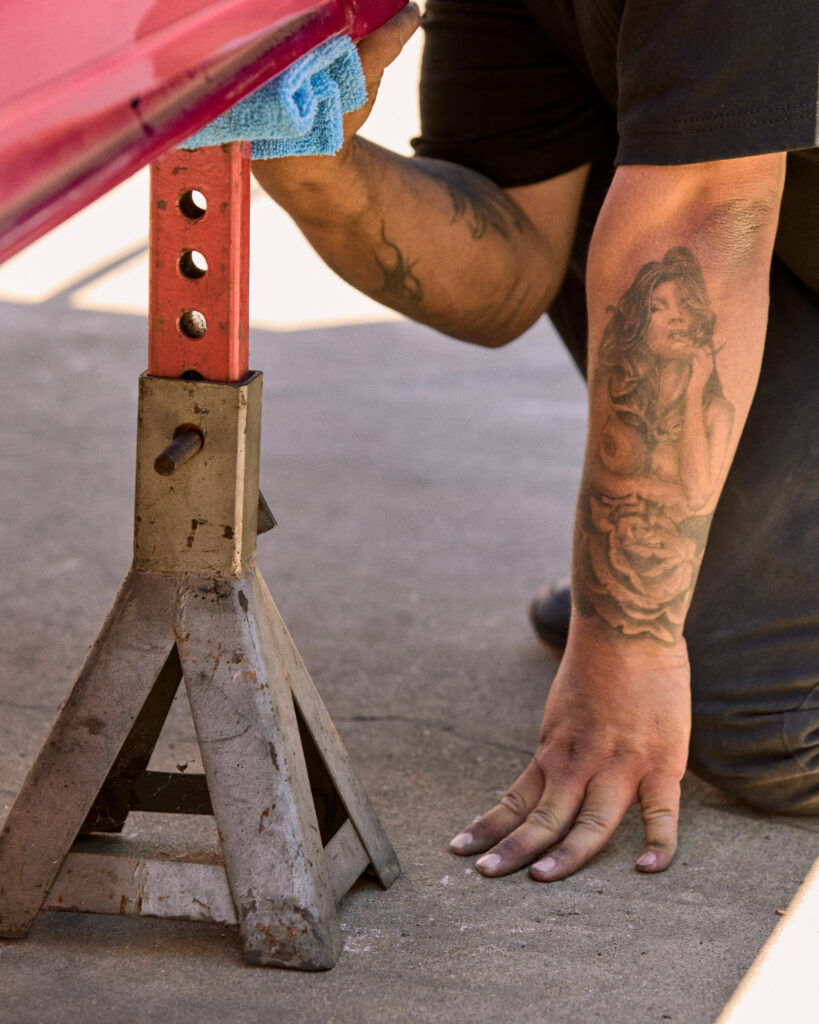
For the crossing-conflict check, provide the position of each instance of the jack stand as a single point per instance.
(194, 606)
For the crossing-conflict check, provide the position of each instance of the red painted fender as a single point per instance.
(93, 90)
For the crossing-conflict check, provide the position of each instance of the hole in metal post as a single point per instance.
(193, 204)
(192, 264)
(193, 324)
(191, 375)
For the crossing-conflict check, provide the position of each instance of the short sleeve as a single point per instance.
(498, 96)
(702, 80)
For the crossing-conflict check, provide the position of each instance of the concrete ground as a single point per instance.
(423, 490)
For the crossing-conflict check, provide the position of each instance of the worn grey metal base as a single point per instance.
(194, 607)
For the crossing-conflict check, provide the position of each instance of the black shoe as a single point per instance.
(549, 611)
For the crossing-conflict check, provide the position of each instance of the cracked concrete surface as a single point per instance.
(423, 489)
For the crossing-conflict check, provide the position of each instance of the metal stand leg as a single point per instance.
(72, 765)
(195, 607)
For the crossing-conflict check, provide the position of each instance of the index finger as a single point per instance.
(521, 797)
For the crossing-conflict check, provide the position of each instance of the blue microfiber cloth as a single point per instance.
(299, 111)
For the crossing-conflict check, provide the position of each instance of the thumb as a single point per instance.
(379, 49)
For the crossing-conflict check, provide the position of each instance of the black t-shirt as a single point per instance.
(523, 90)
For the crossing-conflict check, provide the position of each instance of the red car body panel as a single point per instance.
(93, 90)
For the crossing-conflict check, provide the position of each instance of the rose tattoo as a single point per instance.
(638, 569)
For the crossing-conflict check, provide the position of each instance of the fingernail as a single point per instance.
(489, 862)
(545, 866)
(461, 841)
(647, 859)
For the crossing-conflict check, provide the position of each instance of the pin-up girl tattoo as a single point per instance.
(651, 484)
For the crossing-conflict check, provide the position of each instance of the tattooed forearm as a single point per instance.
(399, 281)
(477, 202)
(658, 452)
(635, 567)
(483, 207)
(402, 289)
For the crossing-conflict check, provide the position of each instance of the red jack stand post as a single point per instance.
(194, 606)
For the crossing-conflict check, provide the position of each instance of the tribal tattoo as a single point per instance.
(476, 201)
(483, 208)
(664, 428)
(399, 280)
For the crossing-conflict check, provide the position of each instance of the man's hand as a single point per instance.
(615, 731)
(437, 242)
(376, 52)
(284, 176)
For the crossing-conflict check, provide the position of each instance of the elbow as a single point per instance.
(497, 325)
(491, 338)
(496, 339)
(491, 342)
(727, 211)
(736, 213)
(483, 339)
(737, 233)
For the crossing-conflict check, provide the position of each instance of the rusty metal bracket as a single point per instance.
(295, 825)
(194, 607)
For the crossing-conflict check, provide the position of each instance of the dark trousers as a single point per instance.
(753, 627)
